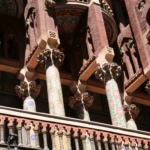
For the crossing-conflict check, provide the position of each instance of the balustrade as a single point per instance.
(101, 136)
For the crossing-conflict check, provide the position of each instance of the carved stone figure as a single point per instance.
(49, 3)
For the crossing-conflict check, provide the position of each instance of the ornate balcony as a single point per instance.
(70, 132)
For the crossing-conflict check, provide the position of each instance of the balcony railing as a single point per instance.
(100, 136)
(83, 1)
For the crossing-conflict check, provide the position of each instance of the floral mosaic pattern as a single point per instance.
(67, 21)
(55, 98)
(131, 124)
(8, 7)
(29, 104)
(115, 105)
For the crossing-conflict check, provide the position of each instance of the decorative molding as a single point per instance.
(83, 68)
(9, 62)
(31, 54)
(96, 83)
(141, 95)
(133, 79)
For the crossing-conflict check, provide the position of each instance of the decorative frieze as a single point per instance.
(133, 79)
(90, 60)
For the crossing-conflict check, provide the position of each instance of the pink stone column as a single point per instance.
(51, 59)
(28, 91)
(108, 73)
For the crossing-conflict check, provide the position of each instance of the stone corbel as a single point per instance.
(27, 74)
(51, 38)
(105, 56)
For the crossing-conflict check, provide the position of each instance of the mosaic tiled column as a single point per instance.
(108, 74)
(131, 112)
(51, 59)
(28, 92)
(81, 103)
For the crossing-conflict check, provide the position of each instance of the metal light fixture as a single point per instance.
(12, 139)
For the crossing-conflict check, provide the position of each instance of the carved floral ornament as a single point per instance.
(26, 89)
(112, 70)
(48, 56)
(76, 100)
(142, 4)
(147, 87)
(131, 111)
(148, 37)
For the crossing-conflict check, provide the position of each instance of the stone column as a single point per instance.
(28, 91)
(131, 112)
(81, 101)
(52, 59)
(108, 74)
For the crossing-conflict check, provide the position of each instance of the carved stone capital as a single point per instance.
(49, 4)
(108, 70)
(75, 101)
(43, 57)
(58, 56)
(26, 89)
(131, 111)
(147, 87)
(47, 56)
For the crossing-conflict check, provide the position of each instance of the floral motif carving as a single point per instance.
(76, 100)
(147, 87)
(90, 60)
(26, 89)
(47, 56)
(112, 70)
(142, 4)
(131, 111)
(148, 37)
(133, 79)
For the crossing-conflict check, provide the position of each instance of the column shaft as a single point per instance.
(54, 90)
(115, 104)
(131, 124)
(83, 113)
(29, 104)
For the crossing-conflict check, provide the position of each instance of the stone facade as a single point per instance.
(87, 60)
